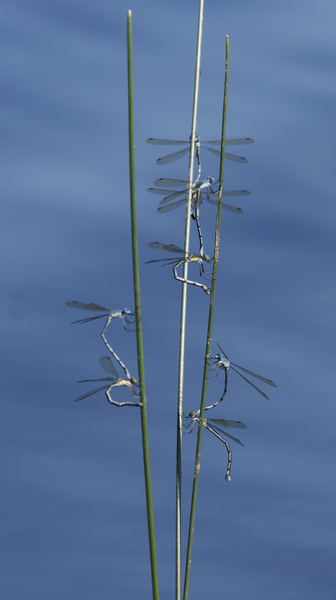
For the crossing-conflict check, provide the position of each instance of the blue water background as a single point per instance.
(73, 505)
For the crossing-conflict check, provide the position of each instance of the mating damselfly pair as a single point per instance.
(105, 362)
(221, 361)
(185, 257)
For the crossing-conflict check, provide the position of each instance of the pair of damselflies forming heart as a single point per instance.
(113, 381)
(110, 314)
(176, 155)
(187, 258)
(212, 426)
(221, 361)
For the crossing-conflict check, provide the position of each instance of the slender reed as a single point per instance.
(184, 311)
(208, 341)
(137, 301)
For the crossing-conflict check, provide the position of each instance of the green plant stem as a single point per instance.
(137, 301)
(184, 311)
(209, 338)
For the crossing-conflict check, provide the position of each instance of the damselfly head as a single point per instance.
(127, 311)
(224, 361)
(221, 357)
(133, 380)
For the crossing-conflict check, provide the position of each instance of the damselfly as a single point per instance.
(172, 195)
(111, 314)
(176, 155)
(187, 257)
(207, 185)
(106, 364)
(221, 361)
(214, 430)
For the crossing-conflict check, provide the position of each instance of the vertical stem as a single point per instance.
(184, 311)
(137, 301)
(209, 337)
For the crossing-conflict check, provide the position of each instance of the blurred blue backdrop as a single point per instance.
(73, 503)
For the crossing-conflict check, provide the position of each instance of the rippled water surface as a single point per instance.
(73, 508)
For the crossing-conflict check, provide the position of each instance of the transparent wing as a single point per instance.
(92, 306)
(233, 157)
(100, 379)
(171, 261)
(95, 391)
(196, 202)
(222, 351)
(250, 382)
(158, 142)
(232, 142)
(160, 191)
(172, 197)
(225, 433)
(236, 193)
(171, 157)
(233, 209)
(227, 207)
(166, 247)
(171, 206)
(81, 321)
(264, 379)
(164, 182)
(107, 364)
(226, 423)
